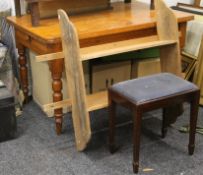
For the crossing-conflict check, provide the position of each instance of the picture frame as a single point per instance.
(188, 65)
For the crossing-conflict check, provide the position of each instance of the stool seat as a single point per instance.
(152, 87)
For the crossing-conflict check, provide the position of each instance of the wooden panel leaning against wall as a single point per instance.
(198, 75)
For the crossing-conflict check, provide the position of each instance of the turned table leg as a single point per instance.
(56, 68)
(23, 71)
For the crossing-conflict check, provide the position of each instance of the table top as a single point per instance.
(123, 17)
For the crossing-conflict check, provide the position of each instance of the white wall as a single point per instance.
(7, 4)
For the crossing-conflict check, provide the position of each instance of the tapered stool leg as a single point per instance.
(164, 124)
(193, 122)
(137, 115)
(112, 116)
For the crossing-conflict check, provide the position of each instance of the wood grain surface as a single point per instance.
(122, 18)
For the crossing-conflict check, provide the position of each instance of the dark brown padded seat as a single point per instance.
(148, 93)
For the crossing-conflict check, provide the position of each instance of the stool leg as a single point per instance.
(137, 115)
(164, 124)
(193, 122)
(112, 116)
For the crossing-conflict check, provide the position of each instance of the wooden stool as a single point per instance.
(148, 93)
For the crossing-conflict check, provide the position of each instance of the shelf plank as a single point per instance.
(121, 47)
(56, 105)
(113, 48)
(95, 101)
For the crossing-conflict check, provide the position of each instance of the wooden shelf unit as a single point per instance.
(81, 104)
